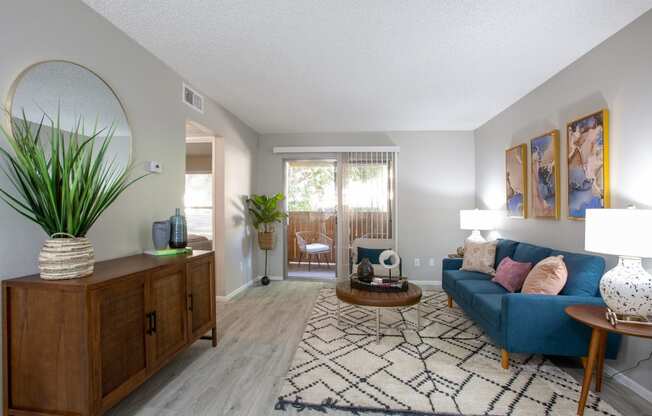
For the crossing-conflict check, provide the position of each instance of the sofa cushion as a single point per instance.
(547, 277)
(372, 254)
(504, 248)
(488, 306)
(479, 256)
(584, 273)
(466, 289)
(511, 274)
(451, 277)
(529, 253)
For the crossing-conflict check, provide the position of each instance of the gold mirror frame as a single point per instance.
(21, 75)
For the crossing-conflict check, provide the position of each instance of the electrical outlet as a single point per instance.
(417, 262)
(431, 262)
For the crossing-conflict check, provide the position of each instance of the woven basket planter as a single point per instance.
(66, 258)
(266, 240)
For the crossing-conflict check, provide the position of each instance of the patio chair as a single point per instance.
(314, 244)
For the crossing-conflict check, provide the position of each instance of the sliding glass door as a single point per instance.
(335, 205)
(312, 218)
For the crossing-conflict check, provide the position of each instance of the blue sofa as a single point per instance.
(523, 323)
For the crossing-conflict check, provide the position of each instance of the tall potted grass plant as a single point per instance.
(63, 182)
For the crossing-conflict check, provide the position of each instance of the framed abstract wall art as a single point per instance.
(516, 181)
(588, 164)
(544, 175)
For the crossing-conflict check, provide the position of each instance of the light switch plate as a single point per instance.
(431, 262)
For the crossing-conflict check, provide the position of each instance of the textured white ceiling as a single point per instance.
(360, 65)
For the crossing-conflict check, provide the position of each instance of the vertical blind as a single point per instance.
(368, 203)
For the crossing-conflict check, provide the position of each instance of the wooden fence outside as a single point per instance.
(362, 224)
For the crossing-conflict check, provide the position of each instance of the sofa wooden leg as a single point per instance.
(583, 360)
(450, 301)
(504, 359)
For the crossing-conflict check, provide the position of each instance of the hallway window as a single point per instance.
(198, 201)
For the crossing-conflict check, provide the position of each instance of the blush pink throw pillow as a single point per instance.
(548, 277)
(511, 274)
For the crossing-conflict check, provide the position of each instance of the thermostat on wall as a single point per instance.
(153, 167)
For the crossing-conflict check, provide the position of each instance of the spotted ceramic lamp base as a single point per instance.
(627, 290)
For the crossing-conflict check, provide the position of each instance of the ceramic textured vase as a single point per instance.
(627, 288)
(161, 234)
(178, 230)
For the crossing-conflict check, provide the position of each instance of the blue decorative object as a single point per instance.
(178, 230)
(372, 254)
(161, 234)
(525, 323)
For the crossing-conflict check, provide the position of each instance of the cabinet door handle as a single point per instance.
(190, 302)
(150, 328)
(154, 321)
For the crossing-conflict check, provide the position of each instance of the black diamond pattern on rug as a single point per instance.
(447, 368)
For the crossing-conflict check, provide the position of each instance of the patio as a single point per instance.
(319, 227)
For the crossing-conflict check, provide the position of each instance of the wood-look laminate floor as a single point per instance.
(258, 334)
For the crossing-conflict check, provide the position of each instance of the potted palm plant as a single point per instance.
(63, 182)
(265, 213)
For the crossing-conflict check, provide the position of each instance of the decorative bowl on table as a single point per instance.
(380, 284)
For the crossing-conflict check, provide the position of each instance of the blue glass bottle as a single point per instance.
(178, 230)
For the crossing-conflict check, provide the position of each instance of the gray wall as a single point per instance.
(435, 179)
(616, 75)
(34, 31)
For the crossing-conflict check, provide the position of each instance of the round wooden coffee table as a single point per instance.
(594, 317)
(346, 293)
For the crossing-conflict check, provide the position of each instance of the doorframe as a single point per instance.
(309, 156)
(219, 208)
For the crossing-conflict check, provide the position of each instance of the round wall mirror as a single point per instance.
(75, 93)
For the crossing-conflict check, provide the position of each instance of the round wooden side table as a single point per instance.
(594, 316)
(346, 293)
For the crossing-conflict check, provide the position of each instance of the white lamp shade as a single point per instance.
(622, 232)
(479, 219)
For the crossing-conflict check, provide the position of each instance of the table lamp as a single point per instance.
(478, 220)
(627, 288)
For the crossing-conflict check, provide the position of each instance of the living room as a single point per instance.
(453, 134)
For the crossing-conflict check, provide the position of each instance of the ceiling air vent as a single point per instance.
(193, 98)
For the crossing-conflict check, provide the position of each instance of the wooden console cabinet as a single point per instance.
(77, 347)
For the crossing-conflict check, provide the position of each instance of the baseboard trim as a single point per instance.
(244, 287)
(276, 278)
(629, 383)
(427, 283)
(235, 293)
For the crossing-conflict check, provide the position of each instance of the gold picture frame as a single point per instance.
(516, 181)
(545, 178)
(587, 164)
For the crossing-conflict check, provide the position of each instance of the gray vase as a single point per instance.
(178, 230)
(161, 234)
(365, 270)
